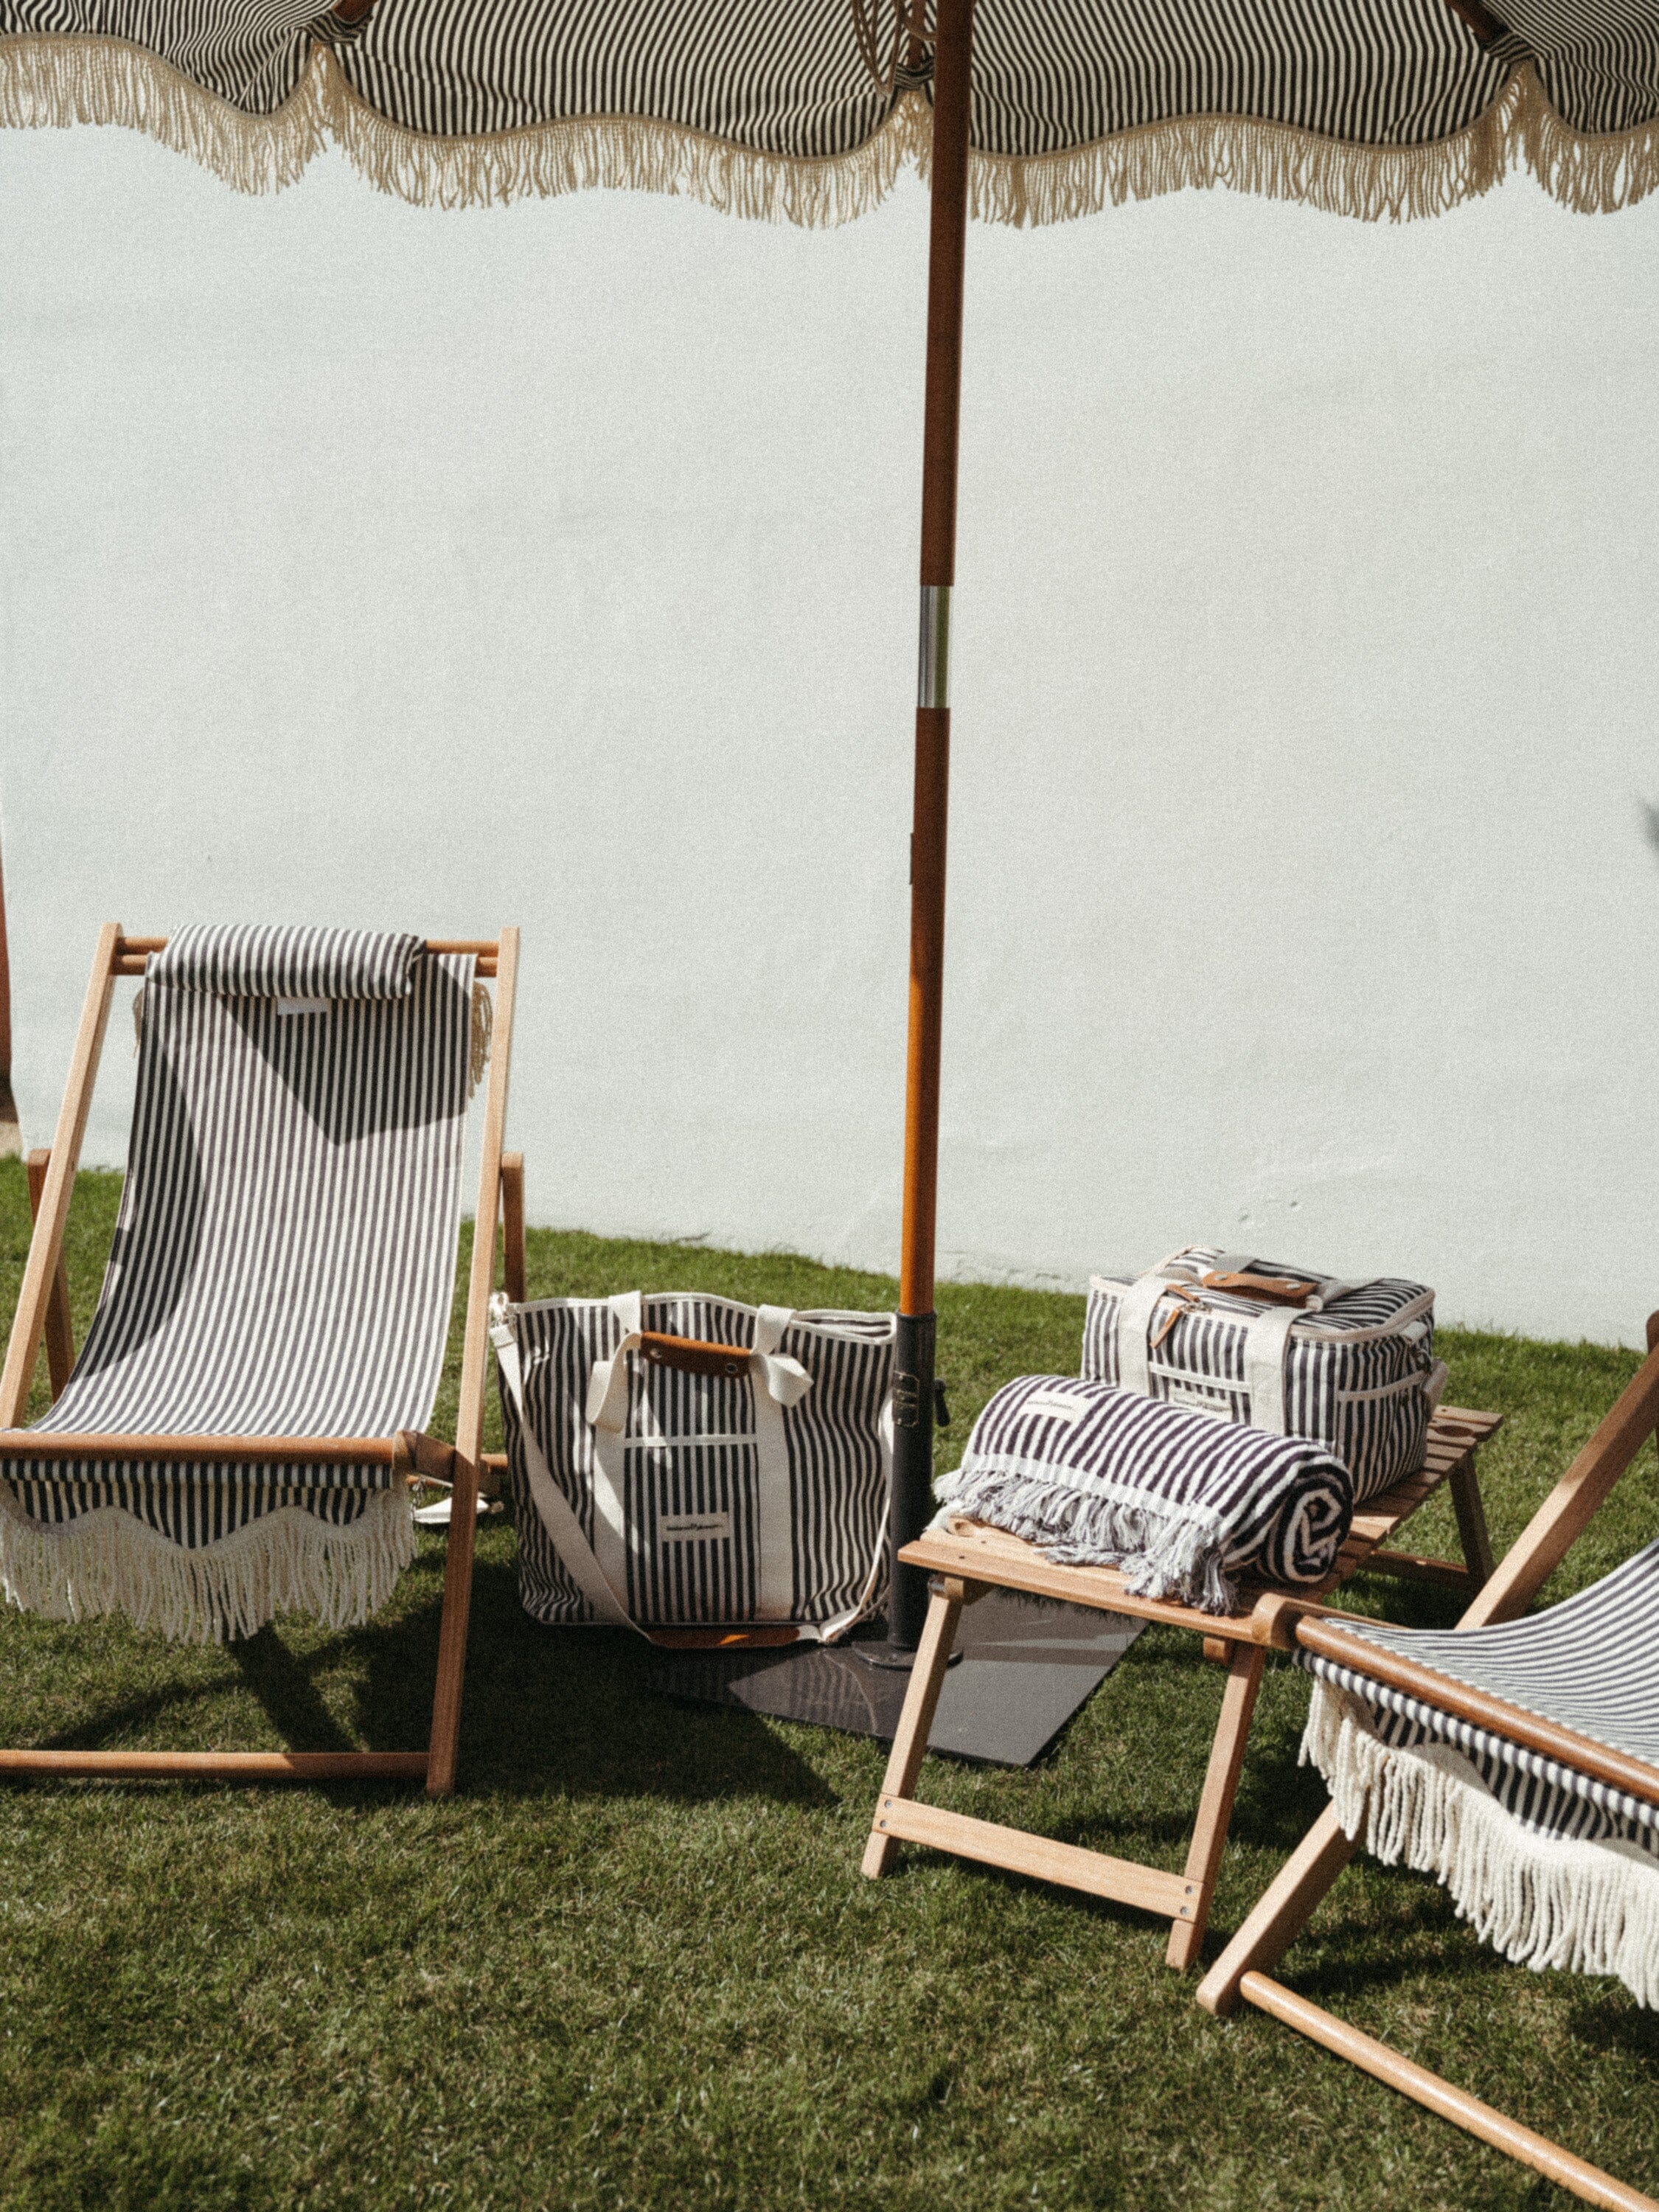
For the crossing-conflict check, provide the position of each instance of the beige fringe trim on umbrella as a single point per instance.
(54, 81)
(1272, 161)
(1267, 161)
(1591, 1908)
(288, 1561)
(49, 81)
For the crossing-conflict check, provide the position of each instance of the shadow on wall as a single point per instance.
(1650, 823)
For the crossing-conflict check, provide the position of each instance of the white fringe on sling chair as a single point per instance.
(238, 1433)
(1514, 1760)
(1550, 1865)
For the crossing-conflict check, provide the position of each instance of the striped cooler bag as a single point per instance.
(696, 1469)
(1350, 1365)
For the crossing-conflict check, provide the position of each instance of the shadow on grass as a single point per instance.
(280, 1682)
(570, 1710)
(1370, 1961)
(564, 1712)
(117, 1728)
(1594, 2022)
(1371, 1953)
(1406, 1604)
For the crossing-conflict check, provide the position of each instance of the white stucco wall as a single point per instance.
(558, 564)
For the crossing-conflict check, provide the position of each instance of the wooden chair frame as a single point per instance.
(965, 1564)
(42, 1310)
(1244, 1969)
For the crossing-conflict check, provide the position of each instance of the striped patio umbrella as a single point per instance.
(807, 109)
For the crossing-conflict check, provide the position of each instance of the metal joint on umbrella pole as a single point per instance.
(934, 651)
(911, 1505)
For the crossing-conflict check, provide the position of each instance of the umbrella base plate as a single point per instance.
(1024, 1669)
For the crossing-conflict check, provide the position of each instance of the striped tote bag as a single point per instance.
(1350, 1365)
(681, 1462)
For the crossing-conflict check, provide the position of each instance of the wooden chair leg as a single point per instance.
(469, 1413)
(909, 1748)
(1215, 1807)
(46, 1245)
(1284, 1910)
(1464, 1484)
(1386, 2064)
(451, 1629)
(60, 1329)
(512, 1225)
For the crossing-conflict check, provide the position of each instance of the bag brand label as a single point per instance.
(1054, 1406)
(1194, 1398)
(693, 1528)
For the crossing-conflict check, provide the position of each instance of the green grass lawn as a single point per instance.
(632, 1962)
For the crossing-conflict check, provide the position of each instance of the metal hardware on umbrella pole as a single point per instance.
(911, 1504)
(933, 647)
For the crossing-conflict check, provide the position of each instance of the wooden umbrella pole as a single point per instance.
(912, 1398)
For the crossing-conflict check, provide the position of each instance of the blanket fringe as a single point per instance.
(288, 1561)
(50, 80)
(1591, 1908)
(1164, 1555)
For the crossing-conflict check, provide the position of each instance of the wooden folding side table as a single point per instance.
(967, 1563)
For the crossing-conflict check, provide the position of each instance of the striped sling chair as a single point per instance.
(1517, 1759)
(239, 1434)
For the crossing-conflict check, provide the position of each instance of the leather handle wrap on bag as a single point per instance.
(779, 1380)
(1278, 1290)
(690, 1355)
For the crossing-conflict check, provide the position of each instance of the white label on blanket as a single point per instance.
(1054, 1407)
(285, 1006)
(693, 1528)
(1197, 1399)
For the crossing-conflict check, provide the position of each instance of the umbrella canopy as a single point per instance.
(808, 109)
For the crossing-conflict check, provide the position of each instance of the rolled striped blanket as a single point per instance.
(1096, 1476)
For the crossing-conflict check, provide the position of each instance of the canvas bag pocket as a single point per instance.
(683, 1462)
